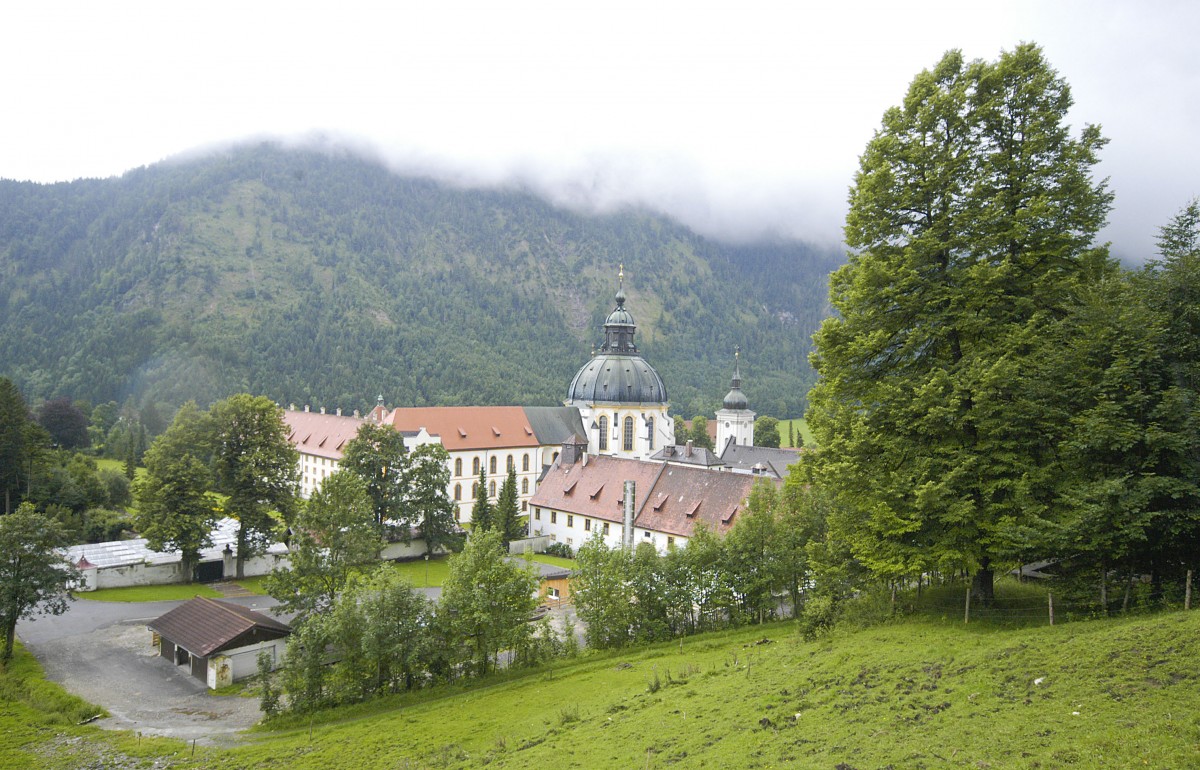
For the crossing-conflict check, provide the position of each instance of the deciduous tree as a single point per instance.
(35, 579)
(489, 598)
(766, 432)
(333, 534)
(428, 504)
(255, 466)
(972, 219)
(377, 455)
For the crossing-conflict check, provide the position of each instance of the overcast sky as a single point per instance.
(742, 119)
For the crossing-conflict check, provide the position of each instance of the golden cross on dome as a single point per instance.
(621, 276)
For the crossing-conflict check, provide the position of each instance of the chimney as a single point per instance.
(356, 414)
(687, 450)
(627, 518)
(339, 411)
(322, 410)
(306, 407)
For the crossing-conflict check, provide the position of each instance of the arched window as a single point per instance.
(475, 467)
(458, 491)
(628, 438)
(603, 433)
(525, 462)
(492, 469)
(475, 489)
(511, 465)
(491, 489)
(524, 486)
(650, 433)
(458, 466)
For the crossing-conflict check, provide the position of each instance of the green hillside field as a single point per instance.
(919, 693)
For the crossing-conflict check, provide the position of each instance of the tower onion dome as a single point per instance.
(617, 374)
(735, 398)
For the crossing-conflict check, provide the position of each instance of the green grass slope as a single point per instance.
(911, 694)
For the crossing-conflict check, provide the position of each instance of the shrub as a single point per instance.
(559, 549)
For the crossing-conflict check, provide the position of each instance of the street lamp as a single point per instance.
(427, 570)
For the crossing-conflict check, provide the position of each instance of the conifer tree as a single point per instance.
(481, 512)
(506, 517)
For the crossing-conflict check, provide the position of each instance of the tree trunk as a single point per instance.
(983, 585)
(10, 633)
(1103, 590)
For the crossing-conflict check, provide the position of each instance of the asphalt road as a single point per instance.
(101, 652)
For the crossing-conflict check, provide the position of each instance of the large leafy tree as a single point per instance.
(1128, 483)
(334, 534)
(766, 432)
(754, 569)
(175, 509)
(489, 598)
(428, 505)
(34, 577)
(603, 594)
(380, 629)
(972, 220)
(66, 423)
(377, 455)
(254, 465)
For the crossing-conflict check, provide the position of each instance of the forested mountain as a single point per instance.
(323, 278)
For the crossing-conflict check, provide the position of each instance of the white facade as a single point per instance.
(735, 425)
(632, 431)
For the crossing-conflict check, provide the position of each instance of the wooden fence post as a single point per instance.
(1187, 592)
(1050, 601)
(967, 605)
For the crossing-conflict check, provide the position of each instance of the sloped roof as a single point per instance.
(684, 495)
(468, 427)
(684, 455)
(742, 459)
(554, 425)
(118, 553)
(602, 489)
(669, 498)
(321, 435)
(204, 626)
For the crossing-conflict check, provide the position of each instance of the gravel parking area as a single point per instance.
(101, 652)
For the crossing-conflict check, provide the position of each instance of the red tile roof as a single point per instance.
(203, 626)
(669, 498)
(468, 427)
(691, 495)
(321, 435)
(603, 488)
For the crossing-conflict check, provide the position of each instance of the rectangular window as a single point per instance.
(553, 517)
(606, 527)
(570, 520)
(537, 514)
(587, 525)
(670, 542)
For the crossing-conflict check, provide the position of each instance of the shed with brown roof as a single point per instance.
(217, 641)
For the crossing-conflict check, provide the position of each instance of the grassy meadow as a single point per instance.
(799, 426)
(920, 692)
